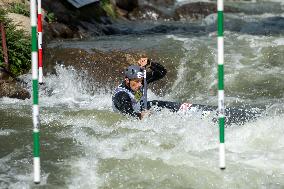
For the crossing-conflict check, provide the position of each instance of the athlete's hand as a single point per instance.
(145, 113)
(143, 62)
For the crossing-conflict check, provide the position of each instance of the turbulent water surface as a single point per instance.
(85, 145)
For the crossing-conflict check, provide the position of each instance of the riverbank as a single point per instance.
(15, 51)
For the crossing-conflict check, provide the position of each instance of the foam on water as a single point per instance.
(180, 141)
(11, 176)
(249, 61)
(279, 42)
(263, 135)
(196, 70)
(181, 147)
(165, 150)
(68, 88)
(6, 132)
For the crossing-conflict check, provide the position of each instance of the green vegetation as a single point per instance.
(108, 7)
(19, 47)
(19, 8)
(50, 17)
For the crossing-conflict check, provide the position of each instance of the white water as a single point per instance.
(165, 150)
(182, 148)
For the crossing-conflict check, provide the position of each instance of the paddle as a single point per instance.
(143, 63)
(145, 90)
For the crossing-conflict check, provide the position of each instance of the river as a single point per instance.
(85, 145)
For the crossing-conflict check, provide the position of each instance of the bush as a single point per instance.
(19, 47)
(19, 8)
(108, 8)
(50, 17)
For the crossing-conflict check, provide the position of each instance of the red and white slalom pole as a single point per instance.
(39, 30)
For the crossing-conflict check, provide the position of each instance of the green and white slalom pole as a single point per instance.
(39, 28)
(36, 162)
(221, 107)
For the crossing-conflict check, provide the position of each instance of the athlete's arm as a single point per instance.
(123, 103)
(157, 72)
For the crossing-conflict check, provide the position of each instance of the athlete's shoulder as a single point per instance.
(121, 95)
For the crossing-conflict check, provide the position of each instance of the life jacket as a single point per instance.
(136, 99)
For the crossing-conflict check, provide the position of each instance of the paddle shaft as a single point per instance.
(145, 90)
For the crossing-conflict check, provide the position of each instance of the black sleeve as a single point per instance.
(157, 72)
(123, 103)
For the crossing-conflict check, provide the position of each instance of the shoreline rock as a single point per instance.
(92, 20)
(21, 22)
(147, 12)
(11, 89)
(103, 69)
(198, 10)
(71, 22)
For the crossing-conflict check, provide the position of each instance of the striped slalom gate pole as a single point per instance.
(36, 162)
(221, 108)
(39, 25)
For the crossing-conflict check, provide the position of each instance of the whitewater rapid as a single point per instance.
(84, 144)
